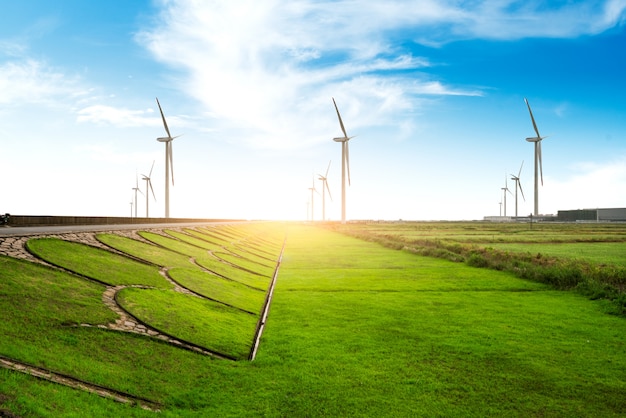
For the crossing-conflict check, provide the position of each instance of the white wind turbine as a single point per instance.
(149, 186)
(504, 190)
(169, 161)
(325, 188)
(136, 189)
(313, 190)
(345, 163)
(538, 166)
(518, 185)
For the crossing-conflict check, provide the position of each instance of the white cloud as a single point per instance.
(614, 14)
(121, 117)
(591, 185)
(12, 48)
(32, 81)
(267, 70)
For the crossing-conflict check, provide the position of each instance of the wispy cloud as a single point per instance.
(269, 73)
(267, 69)
(32, 81)
(120, 117)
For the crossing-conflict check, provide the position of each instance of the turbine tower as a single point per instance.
(149, 186)
(169, 160)
(538, 166)
(518, 185)
(504, 190)
(312, 189)
(345, 163)
(325, 188)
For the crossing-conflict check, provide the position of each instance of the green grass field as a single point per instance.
(355, 329)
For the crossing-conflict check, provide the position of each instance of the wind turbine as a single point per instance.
(518, 185)
(325, 187)
(505, 189)
(312, 189)
(136, 189)
(345, 163)
(149, 186)
(169, 161)
(538, 166)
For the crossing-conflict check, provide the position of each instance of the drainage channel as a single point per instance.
(72, 382)
(266, 306)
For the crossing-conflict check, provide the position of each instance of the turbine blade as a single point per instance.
(150, 184)
(328, 168)
(328, 188)
(520, 189)
(520, 169)
(532, 118)
(340, 121)
(163, 117)
(150, 169)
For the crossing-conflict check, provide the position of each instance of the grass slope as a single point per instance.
(219, 289)
(96, 263)
(210, 262)
(202, 322)
(150, 253)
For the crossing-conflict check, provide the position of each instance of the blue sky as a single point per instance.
(433, 90)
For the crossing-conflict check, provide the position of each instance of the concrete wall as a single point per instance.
(19, 220)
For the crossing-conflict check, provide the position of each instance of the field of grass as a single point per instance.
(590, 258)
(596, 252)
(355, 329)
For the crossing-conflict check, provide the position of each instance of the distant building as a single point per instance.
(598, 215)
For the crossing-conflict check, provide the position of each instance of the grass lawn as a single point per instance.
(493, 345)
(355, 329)
(597, 252)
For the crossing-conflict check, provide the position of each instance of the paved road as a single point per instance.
(6, 231)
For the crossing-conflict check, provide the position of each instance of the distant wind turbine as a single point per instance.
(538, 166)
(136, 189)
(505, 189)
(325, 188)
(345, 163)
(169, 161)
(518, 185)
(149, 186)
(313, 190)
